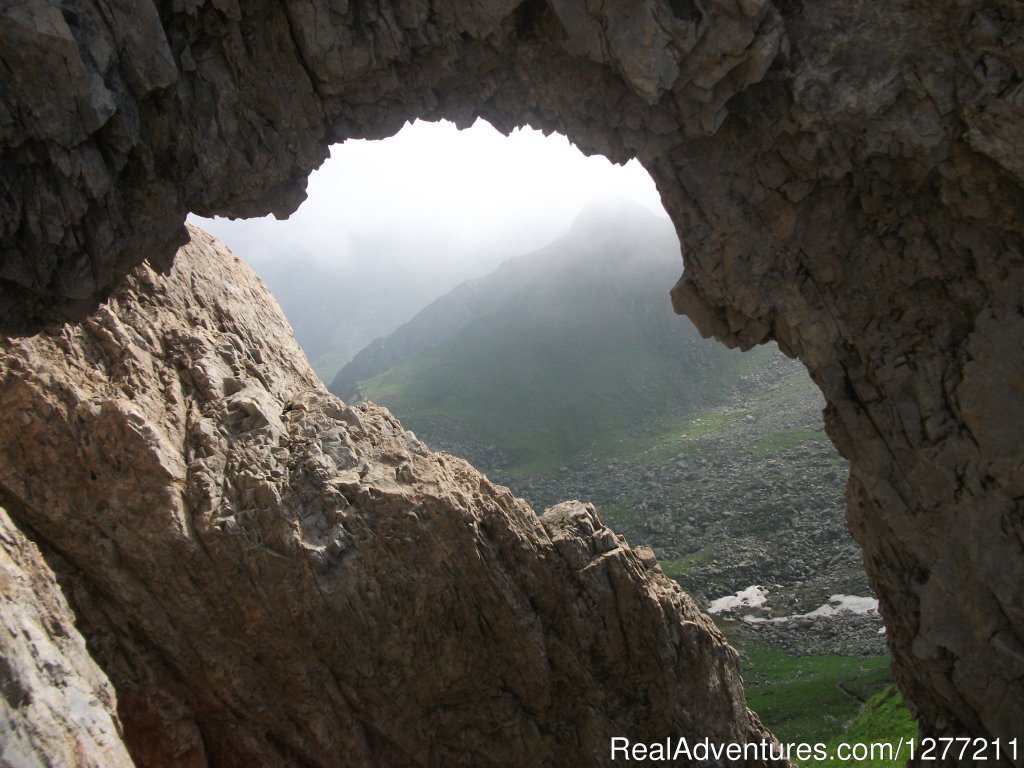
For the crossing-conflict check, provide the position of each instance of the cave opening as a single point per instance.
(503, 299)
(389, 225)
(850, 186)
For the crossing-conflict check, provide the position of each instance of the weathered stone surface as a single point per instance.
(115, 120)
(56, 706)
(272, 577)
(846, 178)
(868, 237)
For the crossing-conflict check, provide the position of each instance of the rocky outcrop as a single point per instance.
(887, 255)
(56, 706)
(846, 177)
(271, 577)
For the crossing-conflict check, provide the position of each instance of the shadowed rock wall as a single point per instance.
(846, 178)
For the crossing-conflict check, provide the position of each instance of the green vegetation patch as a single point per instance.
(682, 566)
(783, 439)
(828, 700)
(810, 699)
(883, 720)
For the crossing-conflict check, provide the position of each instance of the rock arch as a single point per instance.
(846, 178)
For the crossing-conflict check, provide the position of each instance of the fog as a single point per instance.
(390, 225)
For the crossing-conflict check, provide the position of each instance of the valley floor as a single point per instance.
(747, 494)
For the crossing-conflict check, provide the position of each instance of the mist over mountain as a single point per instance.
(389, 226)
(337, 306)
(554, 350)
(438, 321)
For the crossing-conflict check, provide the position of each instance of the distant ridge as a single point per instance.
(555, 352)
(432, 325)
(614, 219)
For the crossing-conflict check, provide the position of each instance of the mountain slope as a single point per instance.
(565, 374)
(572, 346)
(438, 321)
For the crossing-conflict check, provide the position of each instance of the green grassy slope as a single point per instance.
(884, 719)
(828, 700)
(810, 699)
(584, 350)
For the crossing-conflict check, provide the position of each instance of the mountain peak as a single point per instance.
(607, 211)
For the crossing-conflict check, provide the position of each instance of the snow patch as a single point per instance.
(836, 605)
(755, 598)
(752, 619)
(843, 604)
(751, 597)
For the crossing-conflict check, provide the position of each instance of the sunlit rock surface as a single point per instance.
(56, 706)
(271, 577)
(846, 178)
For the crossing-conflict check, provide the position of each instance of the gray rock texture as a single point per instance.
(846, 177)
(116, 119)
(271, 577)
(57, 708)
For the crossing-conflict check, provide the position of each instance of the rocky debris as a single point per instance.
(272, 577)
(57, 708)
(844, 175)
(845, 625)
(846, 634)
(749, 492)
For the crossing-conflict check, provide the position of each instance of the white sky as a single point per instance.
(478, 193)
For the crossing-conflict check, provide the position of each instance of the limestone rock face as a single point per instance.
(272, 577)
(846, 177)
(117, 119)
(57, 707)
